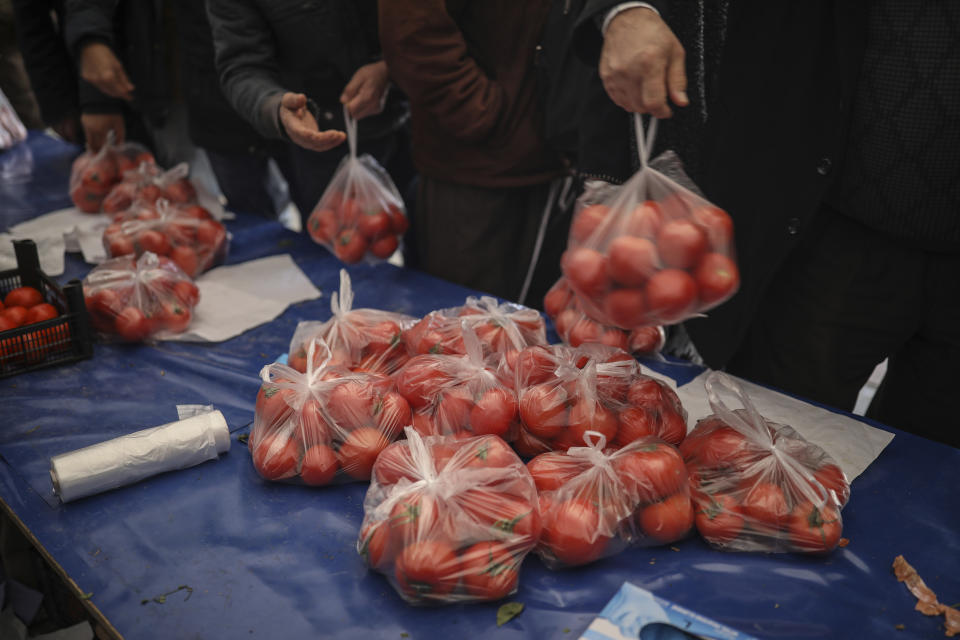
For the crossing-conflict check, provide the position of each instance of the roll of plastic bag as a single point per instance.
(131, 458)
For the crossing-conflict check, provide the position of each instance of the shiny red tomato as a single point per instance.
(416, 516)
(667, 521)
(651, 472)
(670, 295)
(323, 226)
(384, 247)
(814, 528)
(832, 478)
(494, 413)
(543, 410)
(553, 469)
(626, 308)
(374, 545)
(645, 220)
(428, 569)
(154, 241)
(398, 220)
(174, 316)
(319, 465)
(717, 224)
(584, 331)
(765, 505)
(350, 246)
(571, 533)
(392, 413)
(374, 224)
(718, 518)
(275, 456)
(187, 259)
(274, 403)
(393, 464)
(23, 297)
(132, 325)
(490, 571)
(632, 260)
(717, 278)
(586, 270)
(589, 415)
(635, 423)
(41, 312)
(557, 299)
(16, 315)
(186, 292)
(681, 243)
(359, 451)
(588, 220)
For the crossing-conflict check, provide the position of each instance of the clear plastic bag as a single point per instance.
(449, 520)
(500, 327)
(138, 299)
(148, 183)
(460, 395)
(597, 501)
(575, 327)
(370, 340)
(360, 215)
(187, 233)
(563, 392)
(93, 175)
(324, 426)
(654, 253)
(760, 486)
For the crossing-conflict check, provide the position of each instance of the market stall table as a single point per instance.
(233, 556)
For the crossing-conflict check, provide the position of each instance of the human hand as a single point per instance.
(96, 126)
(100, 67)
(366, 92)
(301, 126)
(642, 62)
(67, 128)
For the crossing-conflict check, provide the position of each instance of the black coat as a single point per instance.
(45, 56)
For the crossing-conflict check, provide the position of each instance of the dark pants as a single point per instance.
(484, 238)
(847, 298)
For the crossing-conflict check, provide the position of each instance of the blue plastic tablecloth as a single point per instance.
(267, 561)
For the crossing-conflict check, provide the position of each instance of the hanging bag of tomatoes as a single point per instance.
(449, 520)
(654, 253)
(93, 175)
(596, 501)
(138, 299)
(324, 426)
(360, 215)
(370, 340)
(760, 486)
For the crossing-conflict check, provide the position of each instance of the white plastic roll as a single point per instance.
(131, 458)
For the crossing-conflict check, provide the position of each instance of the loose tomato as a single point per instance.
(670, 295)
(17, 315)
(490, 571)
(571, 533)
(669, 520)
(632, 260)
(359, 451)
(40, 312)
(586, 270)
(428, 569)
(275, 456)
(494, 413)
(718, 518)
(717, 278)
(350, 246)
(815, 528)
(319, 465)
(681, 243)
(23, 297)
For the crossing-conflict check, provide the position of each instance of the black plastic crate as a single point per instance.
(66, 338)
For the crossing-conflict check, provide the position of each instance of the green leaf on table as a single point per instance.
(508, 612)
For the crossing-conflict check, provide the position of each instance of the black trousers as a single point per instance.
(847, 298)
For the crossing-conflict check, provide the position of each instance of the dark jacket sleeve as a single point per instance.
(85, 21)
(46, 59)
(246, 60)
(428, 59)
(587, 37)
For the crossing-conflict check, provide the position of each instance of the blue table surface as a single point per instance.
(269, 560)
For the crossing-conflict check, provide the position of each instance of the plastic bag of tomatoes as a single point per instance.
(575, 327)
(596, 501)
(93, 175)
(563, 392)
(360, 215)
(460, 395)
(186, 233)
(137, 299)
(148, 183)
(654, 253)
(501, 328)
(360, 339)
(324, 426)
(449, 520)
(760, 486)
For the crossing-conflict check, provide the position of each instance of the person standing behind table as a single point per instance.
(835, 145)
(485, 170)
(289, 67)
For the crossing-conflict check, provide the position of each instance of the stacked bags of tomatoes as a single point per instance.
(449, 520)
(135, 299)
(501, 328)
(325, 425)
(148, 183)
(574, 327)
(360, 214)
(460, 395)
(93, 175)
(595, 500)
(186, 233)
(369, 340)
(562, 392)
(654, 253)
(760, 486)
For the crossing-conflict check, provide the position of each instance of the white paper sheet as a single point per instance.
(853, 444)
(49, 248)
(240, 297)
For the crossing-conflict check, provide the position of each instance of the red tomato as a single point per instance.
(564, 323)
(40, 312)
(500, 514)
(323, 226)
(645, 220)
(651, 472)
(374, 224)
(671, 294)
(23, 297)
(319, 465)
(571, 533)
(491, 452)
(174, 316)
(717, 278)
(528, 445)
(392, 413)
(393, 463)
(275, 456)
(614, 337)
(211, 234)
(586, 270)
(681, 243)
(186, 258)
(428, 569)
(85, 200)
(557, 299)
(490, 572)
(832, 478)
(723, 447)
(718, 518)
(273, 405)
(584, 331)
(398, 220)
(132, 325)
(384, 247)
(632, 260)
(350, 246)
(180, 191)
(553, 469)
(766, 505)
(543, 410)
(155, 242)
(813, 528)
(375, 544)
(588, 220)
(186, 292)
(494, 413)
(16, 315)
(425, 425)
(359, 451)
(453, 411)
(717, 225)
(313, 428)
(196, 212)
(669, 520)
(120, 245)
(673, 428)
(416, 516)
(645, 340)
(589, 415)
(350, 404)
(635, 423)
(626, 307)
